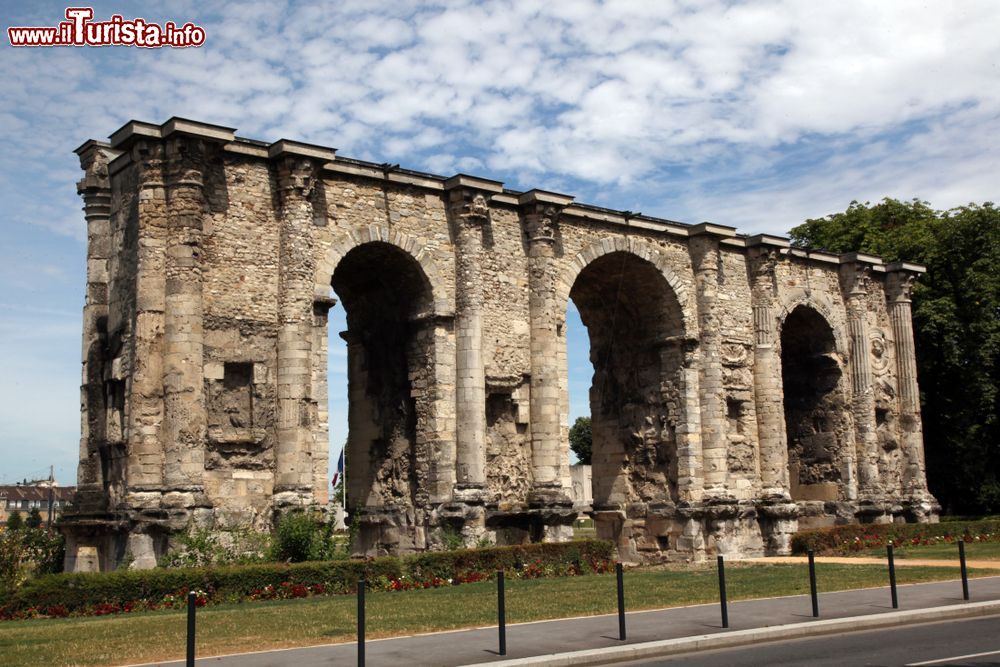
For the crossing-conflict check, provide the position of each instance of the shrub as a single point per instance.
(202, 547)
(129, 590)
(301, 537)
(858, 537)
(27, 552)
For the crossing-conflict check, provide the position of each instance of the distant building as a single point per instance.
(22, 498)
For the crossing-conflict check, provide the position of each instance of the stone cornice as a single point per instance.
(332, 163)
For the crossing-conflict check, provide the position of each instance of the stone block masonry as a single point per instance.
(743, 388)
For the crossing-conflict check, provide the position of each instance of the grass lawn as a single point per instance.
(973, 551)
(151, 636)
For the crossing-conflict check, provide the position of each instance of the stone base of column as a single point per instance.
(779, 520)
(922, 507)
(469, 494)
(543, 496)
(288, 499)
(389, 530)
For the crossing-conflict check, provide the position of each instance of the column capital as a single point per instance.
(541, 210)
(855, 278)
(296, 176)
(94, 159)
(900, 278)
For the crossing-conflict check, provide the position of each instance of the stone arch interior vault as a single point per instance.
(388, 301)
(635, 327)
(815, 405)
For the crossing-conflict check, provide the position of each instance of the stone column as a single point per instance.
(855, 276)
(298, 171)
(541, 214)
(361, 429)
(469, 210)
(704, 249)
(145, 399)
(95, 188)
(899, 286)
(184, 419)
(764, 255)
(690, 482)
(321, 395)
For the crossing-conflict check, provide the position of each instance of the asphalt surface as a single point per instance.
(957, 642)
(784, 615)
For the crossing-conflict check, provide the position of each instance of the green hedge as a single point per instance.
(858, 537)
(128, 589)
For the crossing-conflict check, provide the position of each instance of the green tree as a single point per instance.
(956, 319)
(581, 439)
(34, 519)
(14, 521)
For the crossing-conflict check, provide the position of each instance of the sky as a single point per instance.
(754, 115)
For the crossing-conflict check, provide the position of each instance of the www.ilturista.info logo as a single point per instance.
(79, 30)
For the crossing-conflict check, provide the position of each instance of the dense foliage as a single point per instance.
(956, 319)
(301, 536)
(581, 439)
(28, 552)
(848, 539)
(135, 590)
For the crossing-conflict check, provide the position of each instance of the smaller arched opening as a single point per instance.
(388, 302)
(817, 421)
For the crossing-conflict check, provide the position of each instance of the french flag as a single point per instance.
(340, 469)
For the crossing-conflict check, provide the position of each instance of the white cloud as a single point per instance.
(750, 114)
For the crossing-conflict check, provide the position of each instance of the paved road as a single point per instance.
(965, 642)
(536, 639)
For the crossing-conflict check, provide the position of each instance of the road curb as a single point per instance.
(603, 656)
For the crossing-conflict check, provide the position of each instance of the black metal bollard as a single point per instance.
(501, 613)
(812, 583)
(892, 577)
(361, 623)
(621, 601)
(190, 635)
(722, 592)
(965, 572)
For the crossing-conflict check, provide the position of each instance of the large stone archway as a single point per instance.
(211, 260)
(636, 331)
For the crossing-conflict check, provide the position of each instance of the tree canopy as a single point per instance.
(956, 320)
(15, 521)
(580, 439)
(34, 519)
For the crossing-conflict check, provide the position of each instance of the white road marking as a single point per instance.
(956, 657)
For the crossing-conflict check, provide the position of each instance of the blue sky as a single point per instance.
(752, 115)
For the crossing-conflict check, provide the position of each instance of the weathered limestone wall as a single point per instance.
(742, 388)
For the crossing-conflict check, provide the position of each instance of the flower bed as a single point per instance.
(851, 539)
(78, 594)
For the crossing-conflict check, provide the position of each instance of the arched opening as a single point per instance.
(387, 300)
(635, 328)
(816, 411)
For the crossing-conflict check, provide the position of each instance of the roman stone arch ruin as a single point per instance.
(743, 388)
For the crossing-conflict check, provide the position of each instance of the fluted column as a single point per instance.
(704, 249)
(855, 277)
(95, 188)
(184, 423)
(899, 287)
(763, 257)
(297, 178)
(541, 212)
(469, 210)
